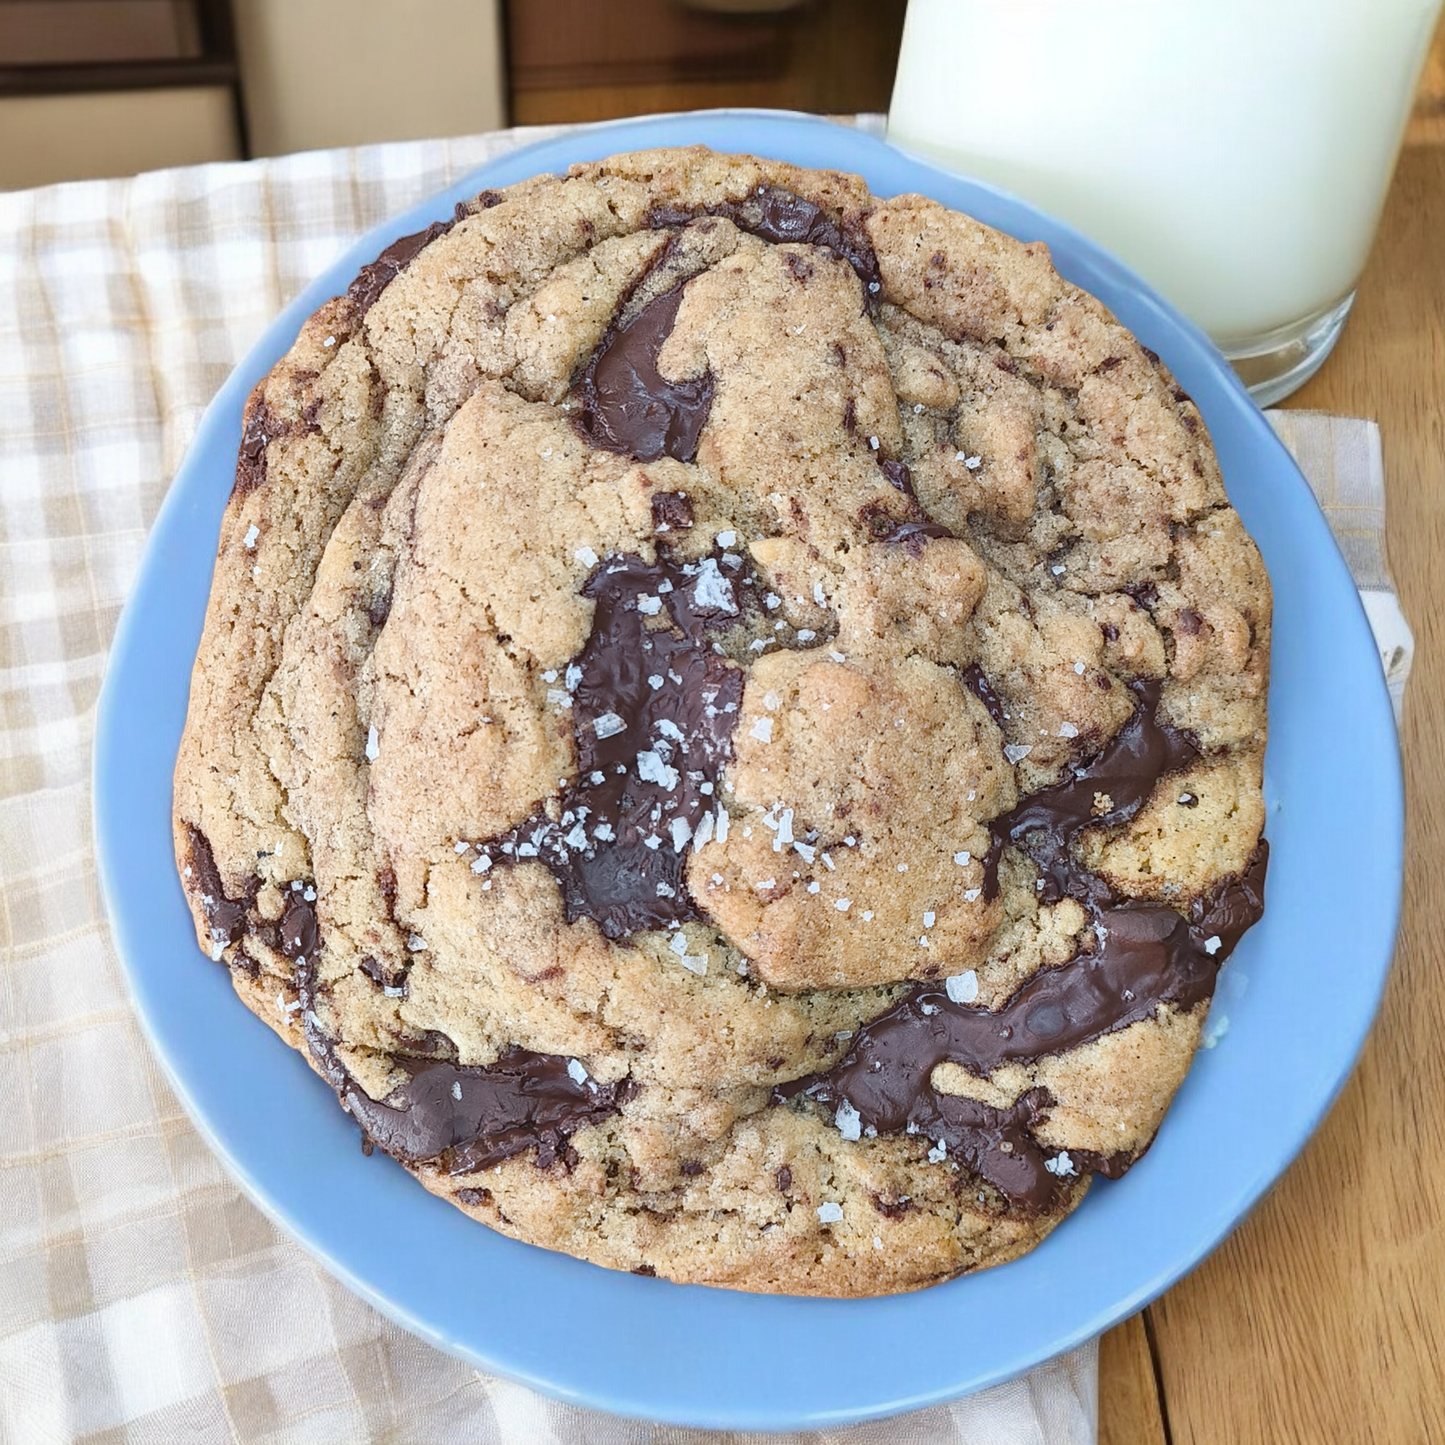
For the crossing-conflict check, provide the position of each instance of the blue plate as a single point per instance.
(694, 1356)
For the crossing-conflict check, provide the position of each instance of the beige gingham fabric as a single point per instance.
(142, 1297)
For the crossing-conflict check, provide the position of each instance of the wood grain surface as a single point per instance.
(1322, 1319)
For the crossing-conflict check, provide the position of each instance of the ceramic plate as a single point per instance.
(697, 1356)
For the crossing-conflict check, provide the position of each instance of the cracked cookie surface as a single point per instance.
(729, 724)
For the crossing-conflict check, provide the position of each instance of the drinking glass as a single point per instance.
(1235, 153)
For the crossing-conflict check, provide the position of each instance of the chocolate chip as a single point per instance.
(671, 512)
(260, 428)
(784, 1177)
(299, 933)
(892, 1208)
(898, 476)
(1188, 622)
(974, 680)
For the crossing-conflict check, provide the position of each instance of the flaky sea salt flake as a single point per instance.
(652, 769)
(962, 987)
(712, 590)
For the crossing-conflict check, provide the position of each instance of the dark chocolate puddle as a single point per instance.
(654, 709)
(227, 917)
(468, 1117)
(627, 405)
(1106, 791)
(1144, 955)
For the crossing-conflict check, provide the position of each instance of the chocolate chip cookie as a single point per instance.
(729, 724)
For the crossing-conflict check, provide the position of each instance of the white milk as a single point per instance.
(1233, 152)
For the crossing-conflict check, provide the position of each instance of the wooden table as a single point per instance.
(1322, 1319)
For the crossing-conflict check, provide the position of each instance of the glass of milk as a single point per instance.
(1235, 153)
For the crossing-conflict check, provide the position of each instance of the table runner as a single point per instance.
(142, 1297)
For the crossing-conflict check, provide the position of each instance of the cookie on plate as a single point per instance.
(729, 724)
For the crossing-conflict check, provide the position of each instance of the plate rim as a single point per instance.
(213, 428)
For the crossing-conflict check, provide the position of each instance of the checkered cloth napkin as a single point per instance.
(142, 1297)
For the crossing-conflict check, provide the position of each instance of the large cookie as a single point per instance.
(729, 724)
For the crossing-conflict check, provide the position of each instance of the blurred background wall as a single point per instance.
(111, 87)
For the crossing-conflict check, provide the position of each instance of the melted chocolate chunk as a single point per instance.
(671, 512)
(898, 476)
(883, 526)
(974, 680)
(654, 709)
(299, 933)
(781, 217)
(627, 405)
(1146, 954)
(262, 427)
(471, 1118)
(1108, 790)
(467, 1117)
(374, 278)
(379, 975)
(226, 916)
(1232, 909)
